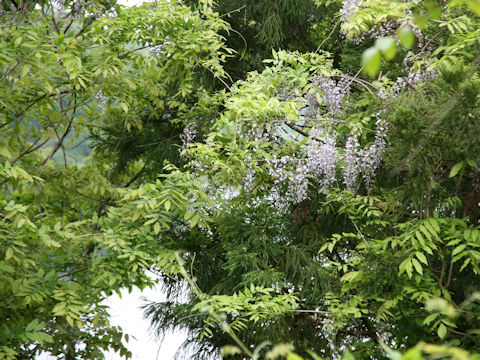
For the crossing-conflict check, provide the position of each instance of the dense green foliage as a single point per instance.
(67, 72)
(303, 177)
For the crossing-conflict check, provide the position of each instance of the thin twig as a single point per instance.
(365, 84)
(328, 36)
(6, 296)
(244, 41)
(215, 75)
(311, 311)
(58, 145)
(135, 177)
(31, 149)
(85, 25)
(73, 272)
(53, 18)
(337, 121)
(87, 235)
(230, 12)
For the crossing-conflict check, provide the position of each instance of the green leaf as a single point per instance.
(392, 354)
(421, 257)
(130, 84)
(387, 46)
(70, 321)
(371, 59)
(430, 318)
(409, 269)
(475, 236)
(471, 162)
(456, 168)
(31, 326)
(194, 220)
(5, 152)
(8, 253)
(413, 354)
(442, 331)
(124, 106)
(229, 350)
(44, 337)
(350, 276)
(465, 264)
(421, 20)
(293, 356)
(188, 215)
(156, 228)
(449, 322)
(459, 249)
(417, 266)
(403, 265)
(347, 355)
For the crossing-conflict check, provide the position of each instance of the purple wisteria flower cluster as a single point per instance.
(295, 181)
(334, 94)
(371, 157)
(320, 157)
(188, 136)
(291, 175)
(262, 133)
(415, 77)
(101, 101)
(364, 161)
(319, 161)
(352, 166)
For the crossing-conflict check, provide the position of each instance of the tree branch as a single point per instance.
(31, 149)
(134, 177)
(58, 145)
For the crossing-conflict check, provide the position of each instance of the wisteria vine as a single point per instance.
(323, 162)
(320, 158)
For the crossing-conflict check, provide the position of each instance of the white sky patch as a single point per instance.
(126, 313)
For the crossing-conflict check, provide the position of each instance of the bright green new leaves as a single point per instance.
(61, 76)
(370, 13)
(406, 36)
(154, 206)
(254, 304)
(372, 57)
(460, 166)
(387, 46)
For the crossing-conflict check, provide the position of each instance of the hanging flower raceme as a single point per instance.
(351, 159)
(364, 161)
(319, 161)
(188, 136)
(291, 174)
(331, 93)
(320, 157)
